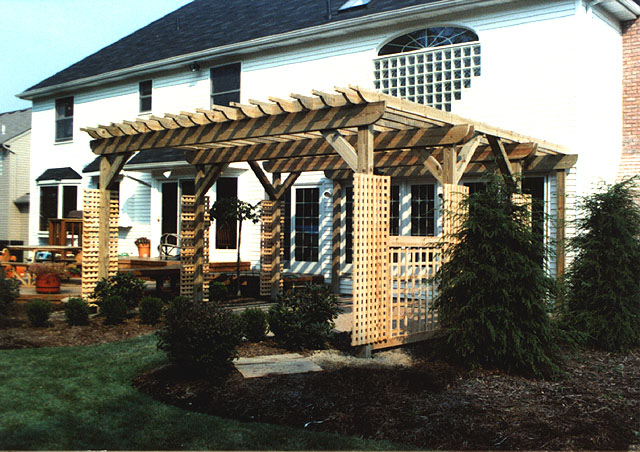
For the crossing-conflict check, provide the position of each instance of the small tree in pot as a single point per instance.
(227, 210)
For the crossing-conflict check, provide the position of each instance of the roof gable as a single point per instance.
(14, 123)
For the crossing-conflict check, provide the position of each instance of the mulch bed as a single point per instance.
(432, 404)
(15, 331)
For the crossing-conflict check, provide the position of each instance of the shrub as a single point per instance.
(254, 324)
(76, 312)
(304, 318)
(9, 291)
(38, 312)
(603, 295)
(150, 310)
(493, 288)
(114, 310)
(124, 285)
(200, 336)
(218, 291)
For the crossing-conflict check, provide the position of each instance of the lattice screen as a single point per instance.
(453, 209)
(90, 238)
(370, 258)
(268, 231)
(188, 246)
(412, 289)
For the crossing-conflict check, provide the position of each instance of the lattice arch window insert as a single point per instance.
(431, 66)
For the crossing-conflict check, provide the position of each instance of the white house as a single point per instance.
(548, 69)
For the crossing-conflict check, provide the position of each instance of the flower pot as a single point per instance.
(48, 283)
(144, 250)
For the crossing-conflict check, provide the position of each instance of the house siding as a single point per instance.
(14, 182)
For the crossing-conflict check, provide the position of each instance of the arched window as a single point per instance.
(430, 66)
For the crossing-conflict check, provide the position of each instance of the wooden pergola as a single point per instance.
(350, 131)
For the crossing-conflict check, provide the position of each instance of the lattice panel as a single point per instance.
(267, 246)
(370, 258)
(188, 246)
(90, 238)
(454, 209)
(412, 289)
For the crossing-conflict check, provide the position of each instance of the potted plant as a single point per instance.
(144, 246)
(48, 277)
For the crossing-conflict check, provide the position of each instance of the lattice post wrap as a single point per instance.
(270, 267)
(454, 210)
(370, 258)
(188, 247)
(412, 289)
(523, 199)
(90, 238)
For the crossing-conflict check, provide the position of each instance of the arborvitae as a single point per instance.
(603, 296)
(493, 289)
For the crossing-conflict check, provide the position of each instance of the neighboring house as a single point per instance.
(549, 69)
(15, 149)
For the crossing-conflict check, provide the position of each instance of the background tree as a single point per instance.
(227, 210)
(603, 297)
(493, 288)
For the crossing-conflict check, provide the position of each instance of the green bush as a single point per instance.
(218, 291)
(603, 295)
(304, 318)
(114, 310)
(9, 291)
(38, 312)
(124, 285)
(254, 324)
(202, 337)
(493, 288)
(76, 312)
(150, 310)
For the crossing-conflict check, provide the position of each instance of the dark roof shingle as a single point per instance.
(206, 24)
(59, 174)
(165, 155)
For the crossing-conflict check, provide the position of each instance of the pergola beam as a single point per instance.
(401, 139)
(342, 147)
(497, 146)
(273, 125)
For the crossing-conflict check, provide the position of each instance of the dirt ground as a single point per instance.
(431, 404)
(417, 401)
(15, 332)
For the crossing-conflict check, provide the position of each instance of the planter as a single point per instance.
(144, 250)
(48, 283)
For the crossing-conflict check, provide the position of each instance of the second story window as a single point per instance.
(225, 84)
(432, 66)
(64, 119)
(145, 88)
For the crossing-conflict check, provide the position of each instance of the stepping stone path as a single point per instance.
(290, 363)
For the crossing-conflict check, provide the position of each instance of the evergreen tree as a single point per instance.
(603, 297)
(493, 288)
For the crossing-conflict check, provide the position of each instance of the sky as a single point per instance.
(39, 38)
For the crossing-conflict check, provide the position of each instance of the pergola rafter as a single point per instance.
(351, 130)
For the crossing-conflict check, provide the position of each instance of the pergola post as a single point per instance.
(206, 176)
(277, 241)
(110, 167)
(335, 236)
(561, 184)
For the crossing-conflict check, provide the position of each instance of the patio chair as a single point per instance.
(169, 247)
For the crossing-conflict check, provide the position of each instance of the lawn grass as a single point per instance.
(81, 398)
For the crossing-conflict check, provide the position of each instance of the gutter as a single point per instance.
(311, 33)
(631, 6)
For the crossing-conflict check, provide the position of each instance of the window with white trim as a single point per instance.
(50, 207)
(431, 66)
(307, 224)
(64, 119)
(225, 84)
(145, 90)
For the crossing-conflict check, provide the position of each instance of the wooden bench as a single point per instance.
(158, 274)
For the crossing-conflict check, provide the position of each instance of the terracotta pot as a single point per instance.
(48, 283)
(144, 250)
